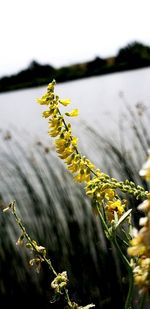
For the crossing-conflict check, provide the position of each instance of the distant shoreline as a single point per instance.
(133, 56)
(36, 83)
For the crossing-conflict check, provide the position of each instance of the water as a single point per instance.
(98, 99)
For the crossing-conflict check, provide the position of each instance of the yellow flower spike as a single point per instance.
(65, 102)
(73, 113)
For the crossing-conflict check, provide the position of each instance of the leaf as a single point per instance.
(123, 217)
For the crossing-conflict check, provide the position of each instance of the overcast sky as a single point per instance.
(61, 32)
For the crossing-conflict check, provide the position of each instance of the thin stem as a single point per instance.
(103, 222)
(123, 257)
(142, 301)
(47, 261)
(130, 292)
(125, 260)
(19, 222)
(130, 275)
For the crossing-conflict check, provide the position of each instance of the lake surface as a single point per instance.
(99, 100)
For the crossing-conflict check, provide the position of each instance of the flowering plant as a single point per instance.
(133, 246)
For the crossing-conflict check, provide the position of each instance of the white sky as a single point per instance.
(61, 32)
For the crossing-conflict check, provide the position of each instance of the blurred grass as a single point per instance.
(58, 215)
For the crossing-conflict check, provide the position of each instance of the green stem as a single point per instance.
(130, 276)
(142, 301)
(19, 222)
(103, 222)
(48, 261)
(123, 257)
(130, 292)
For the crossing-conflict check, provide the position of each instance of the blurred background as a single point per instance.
(99, 54)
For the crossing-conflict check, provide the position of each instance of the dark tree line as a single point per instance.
(134, 55)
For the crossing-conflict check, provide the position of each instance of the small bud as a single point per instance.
(20, 240)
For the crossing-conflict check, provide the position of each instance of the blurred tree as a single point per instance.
(134, 54)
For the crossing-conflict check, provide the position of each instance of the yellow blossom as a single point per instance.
(145, 170)
(65, 102)
(140, 247)
(141, 274)
(114, 206)
(137, 247)
(44, 100)
(46, 114)
(73, 113)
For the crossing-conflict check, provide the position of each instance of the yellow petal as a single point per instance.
(73, 113)
(65, 102)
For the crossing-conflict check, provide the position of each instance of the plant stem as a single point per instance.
(19, 222)
(47, 261)
(106, 229)
(130, 292)
(130, 275)
(142, 301)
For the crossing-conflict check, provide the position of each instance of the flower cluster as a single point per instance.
(102, 191)
(66, 143)
(140, 244)
(60, 282)
(140, 248)
(99, 186)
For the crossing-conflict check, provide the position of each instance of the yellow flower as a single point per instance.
(109, 194)
(140, 244)
(66, 153)
(60, 282)
(137, 246)
(44, 100)
(46, 114)
(145, 170)
(82, 176)
(114, 206)
(73, 113)
(141, 274)
(65, 102)
(55, 132)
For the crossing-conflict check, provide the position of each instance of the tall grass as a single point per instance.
(58, 215)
